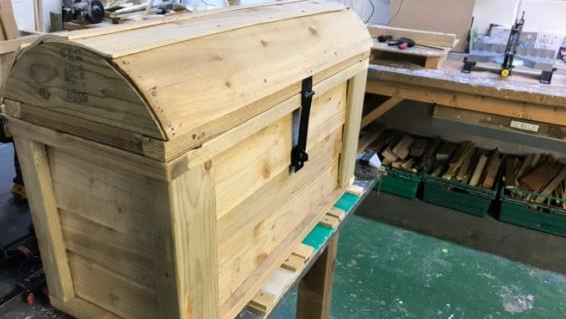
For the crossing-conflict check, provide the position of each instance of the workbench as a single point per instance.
(517, 104)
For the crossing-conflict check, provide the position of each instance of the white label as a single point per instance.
(524, 126)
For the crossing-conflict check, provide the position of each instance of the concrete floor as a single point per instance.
(387, 272)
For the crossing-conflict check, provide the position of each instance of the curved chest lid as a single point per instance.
(182, 79)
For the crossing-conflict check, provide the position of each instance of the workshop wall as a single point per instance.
(24, 13)
(540, 15)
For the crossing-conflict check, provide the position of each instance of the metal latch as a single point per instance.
(299, 153)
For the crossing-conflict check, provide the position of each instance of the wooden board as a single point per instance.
(516, 96)
(438, 39)
(9, 26)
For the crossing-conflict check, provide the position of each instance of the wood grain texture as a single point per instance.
(221, 143)
(77, 82)
(39, 189)
(99, 153)
(124, 92)
(139, 40)
(246, 167)
(168, 158)
(111, 291)
(81, 308)
(186, 241)
(189, 102)
(253, 230)
(355, 104)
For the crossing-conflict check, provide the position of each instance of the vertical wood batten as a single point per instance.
(186, 243)
(39, 188)
(355, 101)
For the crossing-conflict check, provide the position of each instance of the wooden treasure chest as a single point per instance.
(172, 165)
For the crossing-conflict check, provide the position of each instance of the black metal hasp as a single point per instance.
(299, 153)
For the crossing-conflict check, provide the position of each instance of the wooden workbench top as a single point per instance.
(523, 87)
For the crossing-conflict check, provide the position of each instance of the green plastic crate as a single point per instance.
(542, 217)
(459, 196)
(400, 183)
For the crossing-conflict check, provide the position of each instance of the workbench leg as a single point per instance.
(315, 289)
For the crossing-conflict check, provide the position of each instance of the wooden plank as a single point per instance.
(329, 221)
(186, 245)
(104, 30)
(191, 104)
(82, 84)
(293, 263)
(478, 171)
(464, 170)
(43, 207)
(303, 251)
(92, 151)
(262, 273)
(354, 104)
(123, 254)
(438, 39)
(553, 184)
(38, 14)
(139, 40)
(389, 155)
(100, 132)
(263, 302)
(315, 289)
(337, 212)
(401, 149)
(485, 104)
(243, 169)
(464, 151)
(511, 168)
(355, 190)
(15, 44)
(418, 148)
(244, 130)
(524, 167)
(9, 25)
(540, 177)
(492, 168)
(103, 287)
(442, 87)
(369, 136)
(380, 110)
(248, 251)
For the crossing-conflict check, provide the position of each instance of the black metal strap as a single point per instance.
(299, 154)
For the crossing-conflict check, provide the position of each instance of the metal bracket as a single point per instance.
(299, 154)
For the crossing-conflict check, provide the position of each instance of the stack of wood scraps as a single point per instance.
(465, 163)
(536, 178)
(404, 151)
